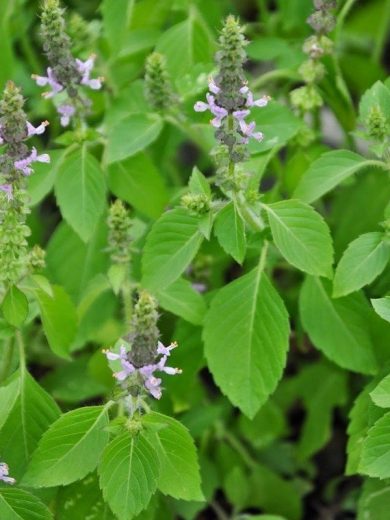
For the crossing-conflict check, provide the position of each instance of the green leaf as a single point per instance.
(182, 299)
(375, 460)
(137, 181)
(328, 171)
(302, 236)
(27, 412)
(70, 448)
(381, 393)
(116, 22)
(41, 183)
(170, 246)
(374, 502)
(132, 135)
(186, 44)
(128, 472)
(17, 504)
(341, 333)
(198, 183)
(81, 192)
(382, 307)
(15, 306)
(363, 260)
(179, 475)
(377, 97)
(247, 350)
(59, 319)
(230, 232)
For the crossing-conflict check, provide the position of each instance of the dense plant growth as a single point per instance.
(194, 260)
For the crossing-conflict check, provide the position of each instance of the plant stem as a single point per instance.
(127, 302)
(7, 358)
(274, 75)
(237, 445)
(22, 355)
(221, 515)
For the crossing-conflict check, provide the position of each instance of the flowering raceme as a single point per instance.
(65, 73)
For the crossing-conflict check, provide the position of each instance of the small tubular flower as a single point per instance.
(4, 474)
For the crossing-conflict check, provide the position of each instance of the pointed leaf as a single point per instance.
(302, 236)
(184, 301)
(381, 393)
(246, 336)
(341, 332)
(363, 260)
(70, 448)
(179, 476)
(170, 246)
(382, 307)
(81, 192)
(230, 231)
(17, 504)
(15, 306)
(375, 460)
(128, 472)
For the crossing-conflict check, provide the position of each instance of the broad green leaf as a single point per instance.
(129, 471)
(302, 236)
(15, 306)
(17, 504)
(381, 393)
(341, 332)
(330, 170)
(41, 183)
(27, 412)
(179, 475)
(82, 500)
(81, 192)
(186, 44)
(182, 299)
(277, 123)
(362, 416)
(374, 502)
(246, 336)
(59, 319)
(132, 135)
(70, 448)
(170, 246)
(267, 425)
(375, 460)
(116, 22)
(198, 183)
(230, 232)
(382, 307)
(137, 181)
(363, 260)
(72, 263)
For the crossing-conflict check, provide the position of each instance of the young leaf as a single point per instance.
(170, 246)
(81, 192)
(330, 170)
(363, 260)
(230, 232)
(27, 412)
(341, 332)
(59, 319)
(382, 307)
(182, 299)
(15, 306)
(381, 393)
(246, 336)
(375, 460)
(198, 183)
(70, 448)
(132, 135)
(17, 504)
(302, 236)
(128, 472)
(179, 475)
(137, 181)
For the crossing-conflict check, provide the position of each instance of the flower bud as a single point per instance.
(196, 203)
(158, 87)
(119, 233)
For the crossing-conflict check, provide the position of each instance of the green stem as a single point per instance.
(237, 445)
(221, 515)
(273, 75)
(22, 355)
(127, 303)
(7, 359)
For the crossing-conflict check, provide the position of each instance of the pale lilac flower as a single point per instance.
(240, 115)
(24, 164)
(219, 112)
(152, 384)
(166, 351)
(66, 111)
(248, 130)
(4, 470)
(261, 102)
(7, 188)
(49, 80)
(213, 87)
(85, 69)
(32, 130)
(1, 138)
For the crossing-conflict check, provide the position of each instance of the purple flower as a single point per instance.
(49, 80)
(240, 115)
(1, 138)
(24, 164)
(165, 351)
(85, 69)
(7, 188)
(4, 474)
(219, 112)
(213, 87)
(66, 111)
(153, 385)
(261, 102)
(248, 130)
(32, 130)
